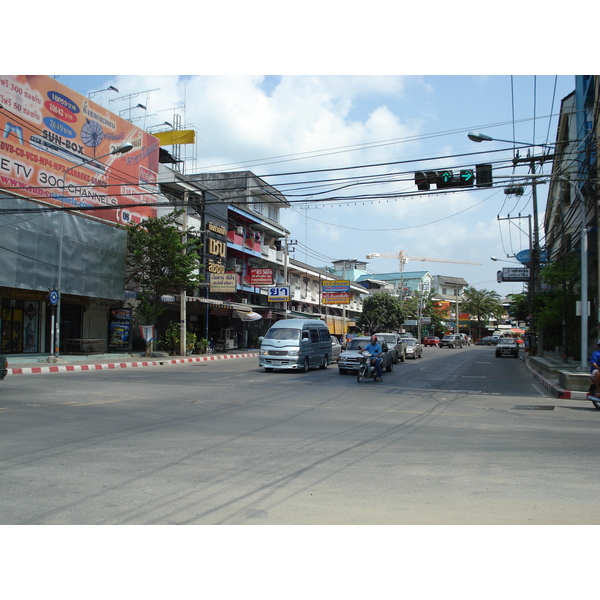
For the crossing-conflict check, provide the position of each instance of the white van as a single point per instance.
(295, 344)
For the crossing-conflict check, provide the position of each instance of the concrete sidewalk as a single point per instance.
(38, 364)
(550, 369)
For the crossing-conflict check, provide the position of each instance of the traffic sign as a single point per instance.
(54, 297)
(517, 274)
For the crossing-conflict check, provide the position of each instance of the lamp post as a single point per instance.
(118, 150)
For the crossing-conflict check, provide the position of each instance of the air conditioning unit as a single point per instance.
(240, 231)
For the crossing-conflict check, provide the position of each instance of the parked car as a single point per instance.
(414, 348)
(488, 340)
(452, 340)
(336, 349)
(3, 367)
(507, 346)
(431, 340)
(396, 345)
(350, 357)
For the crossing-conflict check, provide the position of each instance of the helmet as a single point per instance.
(598, 343)
(374, 338)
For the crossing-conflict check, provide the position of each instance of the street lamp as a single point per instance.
(55, 342)
(475, 136)
(110, 88)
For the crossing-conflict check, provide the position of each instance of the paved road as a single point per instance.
(458, 437)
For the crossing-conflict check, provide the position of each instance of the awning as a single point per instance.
(247, 316)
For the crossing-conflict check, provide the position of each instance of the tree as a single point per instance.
(159, 262)
(381, 312)
(482, 305)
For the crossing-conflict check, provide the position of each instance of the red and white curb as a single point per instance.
(121, 365)
(555, 389)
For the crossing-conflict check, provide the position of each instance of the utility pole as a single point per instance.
(183, 297)
(534, 253)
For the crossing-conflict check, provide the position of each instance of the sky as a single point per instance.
(344, 150)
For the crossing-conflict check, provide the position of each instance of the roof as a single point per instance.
(393, 276)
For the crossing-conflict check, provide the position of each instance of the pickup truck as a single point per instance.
(396, 345)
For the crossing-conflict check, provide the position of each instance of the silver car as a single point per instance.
(396, 345)
(336, 349)
(414, 348)
(452, 341)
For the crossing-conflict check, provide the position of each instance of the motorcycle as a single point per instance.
(593, 396)
(367, 367)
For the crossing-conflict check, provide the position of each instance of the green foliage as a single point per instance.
(169, 342)
(159, 263)
(381, 312)
(202, 346)
(558, 303)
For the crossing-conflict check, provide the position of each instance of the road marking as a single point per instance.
(474, 376)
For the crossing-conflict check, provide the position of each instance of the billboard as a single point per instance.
(55, 148)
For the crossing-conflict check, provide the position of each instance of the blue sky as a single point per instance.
(301, 124)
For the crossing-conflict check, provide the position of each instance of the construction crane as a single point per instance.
(403, 257)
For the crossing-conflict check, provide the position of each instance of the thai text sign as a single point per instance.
(223, 282)
(259, 277)
(56, 147)
(342, 285)
(335, 298)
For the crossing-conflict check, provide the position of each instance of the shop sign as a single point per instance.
(259, 277)
(335, 298)
(223, 282)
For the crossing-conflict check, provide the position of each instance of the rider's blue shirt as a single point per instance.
(594, 359)
(374, 349)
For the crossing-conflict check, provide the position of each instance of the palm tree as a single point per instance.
(482, 305)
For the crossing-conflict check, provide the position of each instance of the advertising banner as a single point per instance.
(56, 148)
(119, 328)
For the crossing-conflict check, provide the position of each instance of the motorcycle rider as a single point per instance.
(595, 372)
(374, 348)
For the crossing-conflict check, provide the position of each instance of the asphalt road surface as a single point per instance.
(457, 437)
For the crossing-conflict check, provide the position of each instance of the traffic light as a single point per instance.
(421, 180)
(484, 175)
(445, 179)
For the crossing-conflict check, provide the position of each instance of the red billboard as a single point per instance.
(56, 148)
(259, 277)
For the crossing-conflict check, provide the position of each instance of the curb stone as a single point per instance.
(122, 365)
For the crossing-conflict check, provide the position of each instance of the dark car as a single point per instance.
(507, 347)
(453, 340)
(432, 340)
(487, 341)
(3, 367)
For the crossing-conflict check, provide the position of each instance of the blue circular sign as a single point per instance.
(54, 297)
